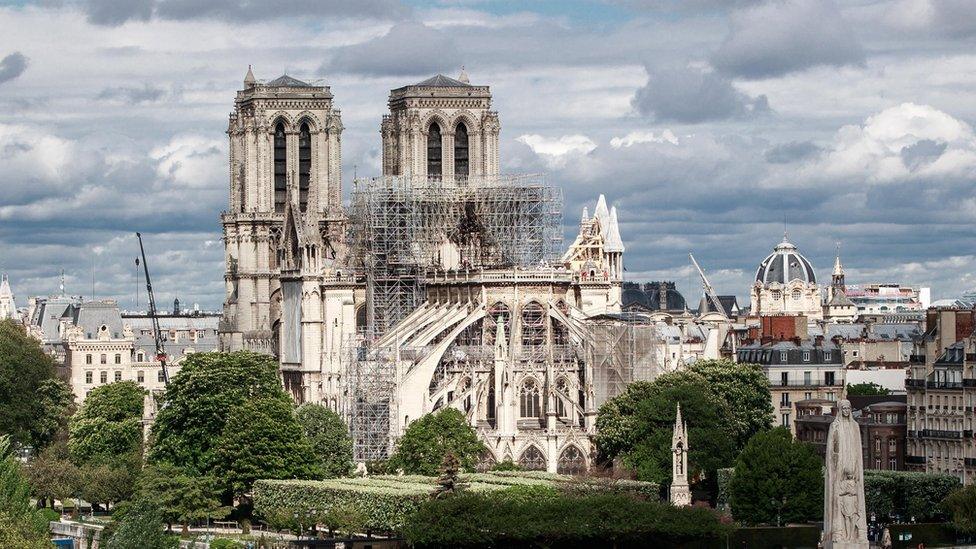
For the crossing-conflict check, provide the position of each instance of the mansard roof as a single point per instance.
(287, 81)
(441, 81)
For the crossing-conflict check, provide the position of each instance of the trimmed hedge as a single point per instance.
(907, 494)
(383, 502)
(523, 517)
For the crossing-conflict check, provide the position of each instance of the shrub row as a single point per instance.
(906, 494)
(534, 517)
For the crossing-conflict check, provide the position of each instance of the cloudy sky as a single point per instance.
(711, 124)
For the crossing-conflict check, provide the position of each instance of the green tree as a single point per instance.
(428, 440)
(329, 437)
(21, 525)
(200, 398)
(182, 498)
(961, 506)
(868, 388)
(139, 524)
(745, 388)
(777, 479)
(33, 404)
(638, 424)
(108, 425)
(263, 440)
(110, 482)
(52, 475)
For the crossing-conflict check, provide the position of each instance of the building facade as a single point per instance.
(882, 423)
(941, 389)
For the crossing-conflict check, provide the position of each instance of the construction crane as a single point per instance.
(708, 289)
(160, 352)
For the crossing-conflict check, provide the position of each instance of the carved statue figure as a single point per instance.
(845, 524)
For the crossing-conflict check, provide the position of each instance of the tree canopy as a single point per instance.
(182, 498)
(744, 387)
(263, 440)
(637, 426)
(429, 439)
(33, 403)
(777, 479)
(200, 399)
(329, 437)
(109, 423)
(139, 523)
(868, 388)
(21, 525)
(961, 506)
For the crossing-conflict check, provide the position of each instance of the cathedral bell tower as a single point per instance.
(285, 138)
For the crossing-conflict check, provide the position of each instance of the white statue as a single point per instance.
(845, 522)
(680, 494)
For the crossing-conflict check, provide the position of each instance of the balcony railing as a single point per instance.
(804, 383)
(919, 383)
(943, 385)
(936, 433)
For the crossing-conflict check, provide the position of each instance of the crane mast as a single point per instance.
(160, 351)
(708, 288)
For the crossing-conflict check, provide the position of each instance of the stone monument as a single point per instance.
(680, 494)
(845, 523)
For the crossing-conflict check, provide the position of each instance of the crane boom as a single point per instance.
(160, 351)
(708, 288)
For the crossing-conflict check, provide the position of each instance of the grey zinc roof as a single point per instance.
(49, 314)
(92, 315)
(285, 80)
(441, 81)
(845, 331)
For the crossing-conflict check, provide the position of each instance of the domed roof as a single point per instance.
(785, 264)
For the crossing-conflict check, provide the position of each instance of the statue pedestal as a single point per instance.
(680, 495)
(847, 545)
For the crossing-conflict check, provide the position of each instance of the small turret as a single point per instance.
(463, 77)
(249, 80)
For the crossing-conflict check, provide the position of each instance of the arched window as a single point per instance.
(562, 393)
(304, 165)
(796, 295)
(532, 459)
(571, 462)
(529, 406)
(495, 312)
(434, 153)
(104, 359)
(280, 168)
(461, 150)
(533, 324)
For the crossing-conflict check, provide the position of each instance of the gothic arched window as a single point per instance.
(571, 462)
(280, 168)
(434, 153)
(529, 405)
(532, 459)
(533, 324)
(304, 165)
(461, 150)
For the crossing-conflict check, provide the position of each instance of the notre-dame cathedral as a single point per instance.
(438, 277)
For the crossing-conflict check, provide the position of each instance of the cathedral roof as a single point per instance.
(785, 264)
(441, 81)
(287, 81)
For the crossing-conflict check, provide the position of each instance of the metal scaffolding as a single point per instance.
(402, 227)
(623, 350)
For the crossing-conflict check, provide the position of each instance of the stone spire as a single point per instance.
(463, 77)
(249, 79)
(613, 241)
(8, 308)
(837, 281)
(680, 493)
(602, 214)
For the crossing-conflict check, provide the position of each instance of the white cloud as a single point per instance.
(555, 150)
(191, 161)
(640, 136)
(907, 142)
(29, 153)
